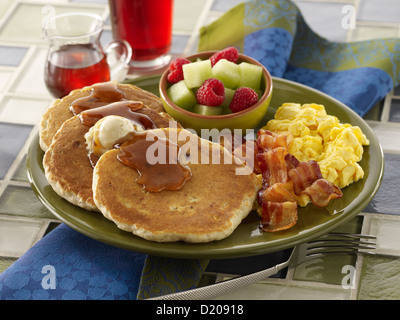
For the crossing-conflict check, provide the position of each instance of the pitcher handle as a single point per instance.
(119, 54)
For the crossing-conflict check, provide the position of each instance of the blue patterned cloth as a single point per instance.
(359, 88)
(66, 265)
(359, 74)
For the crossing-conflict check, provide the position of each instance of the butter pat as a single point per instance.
(107, 132)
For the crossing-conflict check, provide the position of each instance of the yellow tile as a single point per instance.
(23, 110)
(5, 78)
(31, 79)
(25, 23)
(4, 6)
(18, 236)
(186, 14)
(373, 32)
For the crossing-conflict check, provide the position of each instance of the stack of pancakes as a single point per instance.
(210, 205)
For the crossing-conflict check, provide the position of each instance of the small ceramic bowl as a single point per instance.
(245, 119)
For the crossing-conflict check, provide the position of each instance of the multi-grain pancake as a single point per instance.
(205, 205)
(67, 165)
(60, 110)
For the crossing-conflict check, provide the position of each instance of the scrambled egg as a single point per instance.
(321, 137)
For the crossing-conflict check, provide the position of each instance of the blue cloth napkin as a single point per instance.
(66, 265)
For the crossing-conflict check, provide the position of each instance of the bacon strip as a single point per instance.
(278, 167)
(291, 161)
(278, 216)
(273, 162)
(245, 150)
(307, 179)
(268, 140)
(304, 175)
(276, 193)
(322, 191)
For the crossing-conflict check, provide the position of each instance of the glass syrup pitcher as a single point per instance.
(76, 58)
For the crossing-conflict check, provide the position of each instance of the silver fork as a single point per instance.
(332, 243)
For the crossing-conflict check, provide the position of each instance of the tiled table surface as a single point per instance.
(23, 98)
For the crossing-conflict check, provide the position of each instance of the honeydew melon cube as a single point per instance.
(250, 75)
(181, 95)
(195, 73)
(207, 110)
(228, 97)
(226, 110)
(228, 72)
(259, 93)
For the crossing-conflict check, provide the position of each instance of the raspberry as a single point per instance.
(211, 93)
(230, 54)
(175, 70)
(242, 99)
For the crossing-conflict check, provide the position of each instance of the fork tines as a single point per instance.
(340, 243)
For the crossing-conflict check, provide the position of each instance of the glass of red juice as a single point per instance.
(147, 26)
(76, 58)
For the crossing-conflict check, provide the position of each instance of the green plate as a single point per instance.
(247, 239)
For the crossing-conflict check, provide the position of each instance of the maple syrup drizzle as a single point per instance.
(127, 109)
(155, 177)
(100, 94)
(106, 99)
